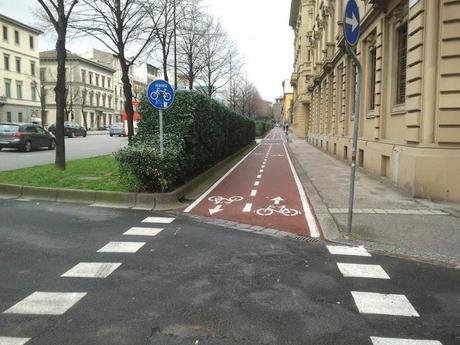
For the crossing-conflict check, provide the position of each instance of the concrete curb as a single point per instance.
(140, 201)
(10, 191)
(326, 222)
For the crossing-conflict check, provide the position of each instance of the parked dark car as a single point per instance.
(25, 137)
(71, 129)
(117, 129)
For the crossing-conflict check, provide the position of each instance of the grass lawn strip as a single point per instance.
(98, 173)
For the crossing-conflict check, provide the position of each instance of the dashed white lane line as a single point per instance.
(362, 271)
(46, 303)
(259, 176)
(263, 166)
(121, 247)
(253, 192)
(261, 170)
(247, 208)
(160, 220)
(383, 304)
(205, 194)
(92, 270)
(13, 341)
(143, 231)
(397, 341)
(345, 250)
(256, 183)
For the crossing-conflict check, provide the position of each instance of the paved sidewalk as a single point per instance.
(385, 218)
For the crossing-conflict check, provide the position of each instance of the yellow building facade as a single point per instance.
(409, 129)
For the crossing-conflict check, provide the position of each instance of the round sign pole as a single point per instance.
(351, 32)
(161, 95)
(160, 112)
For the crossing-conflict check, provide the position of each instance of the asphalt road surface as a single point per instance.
(76, 148)
(65, 279)
(263, 190)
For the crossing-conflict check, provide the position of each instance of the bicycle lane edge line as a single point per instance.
(215, 185)
(311, 221)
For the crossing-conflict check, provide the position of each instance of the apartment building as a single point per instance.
(287, 108)
(410, 100)
(90, 90)
(141, 75)
(19, 67)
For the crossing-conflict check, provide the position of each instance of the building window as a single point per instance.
(7, 88)
(16, 37)
(103, 101)
(372, 73)
(97, 79)
(19, 117)
(8, 116)
(18, 65)
(91, 99)
(83, 76)
(42, 74)
(90, 76)
(6, 62)
(103, 81)
(33, 88)
(32, 68)
(31, 42)
(5, 33)
(402, 64)
(108, 83)
(19, 89)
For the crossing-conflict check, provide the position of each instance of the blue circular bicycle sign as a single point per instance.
(351, 28)
(160, 94)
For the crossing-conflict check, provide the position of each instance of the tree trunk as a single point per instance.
(165, 67)
(129, 109)
(60, 91)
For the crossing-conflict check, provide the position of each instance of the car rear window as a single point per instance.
(8, 128)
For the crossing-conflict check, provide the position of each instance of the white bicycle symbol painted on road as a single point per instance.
(219, 200)
(166, 95)
(283, 210)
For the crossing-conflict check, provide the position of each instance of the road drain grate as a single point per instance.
(307, 239)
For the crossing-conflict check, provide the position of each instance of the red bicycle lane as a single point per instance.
(262, 189)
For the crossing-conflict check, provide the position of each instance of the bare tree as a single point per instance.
(124, 28)
(216, 47)
(234, 71)
(58, 12)
(165, 16)
(192, 32)
(247, 98)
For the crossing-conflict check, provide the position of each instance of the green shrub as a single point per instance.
(210, 131)
(143, 170)
(262, 128)
(199, 132)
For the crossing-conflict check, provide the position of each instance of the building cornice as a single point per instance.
(19, 24)
(295, 5)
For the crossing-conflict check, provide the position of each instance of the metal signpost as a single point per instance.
(161, 95)
(351, 31)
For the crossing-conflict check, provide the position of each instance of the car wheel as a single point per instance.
(84, 135)
(111, 134)
(72, 135)
(27, 146)
(52, 145)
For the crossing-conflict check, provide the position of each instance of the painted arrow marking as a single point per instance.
(277, 200)
(215, 210)
(352, 21)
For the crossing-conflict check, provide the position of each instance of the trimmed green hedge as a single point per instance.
(262, 128)
(199, 132)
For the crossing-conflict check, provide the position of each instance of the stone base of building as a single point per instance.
(425, 172)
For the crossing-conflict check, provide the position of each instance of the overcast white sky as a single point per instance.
(260, 28)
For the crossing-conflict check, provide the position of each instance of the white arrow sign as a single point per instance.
(277, 200)
(352, 21)
(215, 210)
